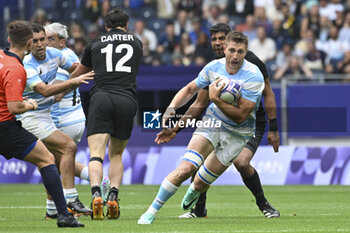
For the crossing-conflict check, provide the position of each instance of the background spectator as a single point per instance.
(294, 67)
(141, 32)
(315, 59)
(264, 47)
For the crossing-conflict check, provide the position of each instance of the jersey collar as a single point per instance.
(8, 53)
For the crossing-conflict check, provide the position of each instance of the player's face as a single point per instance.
(218, 43)
(53, 40)
(235, 53)
(39, 45)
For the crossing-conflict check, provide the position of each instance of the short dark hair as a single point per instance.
(116, 18)
(37, 28)
(220, 27)
(237, 37)
(19, 32)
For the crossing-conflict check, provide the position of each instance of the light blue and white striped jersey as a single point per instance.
(252, 81)
(43, 71)
(69, 110)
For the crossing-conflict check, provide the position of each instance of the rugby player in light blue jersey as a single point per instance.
(67, 113)
(237, 125)
(41, 67)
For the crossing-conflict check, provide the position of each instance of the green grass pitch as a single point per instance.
(230, 209)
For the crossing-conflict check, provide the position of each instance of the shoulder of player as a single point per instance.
(53, 52)
(252, 72)
(70, 54)
(250, 67)
(214, 63)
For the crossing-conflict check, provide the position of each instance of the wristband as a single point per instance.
(273, 126)
(32, 105)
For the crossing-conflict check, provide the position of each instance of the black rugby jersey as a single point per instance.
(115, 57)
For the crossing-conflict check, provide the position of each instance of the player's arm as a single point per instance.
(18, 107)
(71, 84)
(73, 67)
(180, 99)
(273, 137)
(81, 69)
(237, 113)
(194, 111)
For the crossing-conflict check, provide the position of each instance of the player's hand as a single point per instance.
(165, 136)
(84, 78)
(215, 90)
(169, 113)
(273, 138)
(33, 103)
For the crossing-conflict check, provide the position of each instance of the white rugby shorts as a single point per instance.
(226, 146)
(74, 131)
(38, 123)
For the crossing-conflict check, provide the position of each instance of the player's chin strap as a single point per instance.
(98, 159)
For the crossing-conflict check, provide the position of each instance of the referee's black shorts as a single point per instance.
(112, 114)
(15, 141)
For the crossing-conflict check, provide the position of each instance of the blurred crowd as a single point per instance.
(299, 37)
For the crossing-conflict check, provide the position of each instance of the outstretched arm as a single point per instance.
(71, 84)
(194, 111)
(180, 99)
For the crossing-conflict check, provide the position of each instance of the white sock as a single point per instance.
(70, 194)
(85, 174)
(50, 207)
(166, 190)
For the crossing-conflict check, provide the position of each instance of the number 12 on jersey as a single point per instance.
(119, 67)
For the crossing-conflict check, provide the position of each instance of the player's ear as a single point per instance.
(28, 46)
(8, 39)
(126, 26)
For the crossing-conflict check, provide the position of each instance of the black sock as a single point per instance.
(200, 206)
(95, 189)
(254, 185)
(115, 191)
(53, 185)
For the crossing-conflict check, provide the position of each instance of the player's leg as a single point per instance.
(198, 149)
(97, 146)
(115, 173)
(200, 210)
(251, 178)
(75, 132)
(64, 148)
(206, 175)
(45, 162)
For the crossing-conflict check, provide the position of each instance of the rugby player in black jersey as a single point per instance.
(115, 57)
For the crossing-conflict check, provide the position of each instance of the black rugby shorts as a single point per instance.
(112, 114)
(15, 141)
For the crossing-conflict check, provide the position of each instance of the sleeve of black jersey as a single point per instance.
(87, 57)
(251, 57)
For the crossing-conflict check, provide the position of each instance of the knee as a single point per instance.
(50, 159)
(70, 148)
(241, 164)
(185, 171)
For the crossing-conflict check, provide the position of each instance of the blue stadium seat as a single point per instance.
(148, 12)
(156, 25)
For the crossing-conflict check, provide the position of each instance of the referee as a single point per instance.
(115, 57)
(15, 141)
